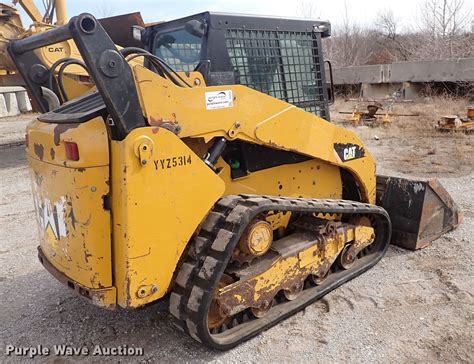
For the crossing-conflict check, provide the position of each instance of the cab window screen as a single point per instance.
(179, 49)
(283, 64)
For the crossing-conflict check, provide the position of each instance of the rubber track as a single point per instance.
(212, 249)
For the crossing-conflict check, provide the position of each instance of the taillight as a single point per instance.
(26, 140)
(72, 151)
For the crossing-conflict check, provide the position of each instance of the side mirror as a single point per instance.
(196, 28)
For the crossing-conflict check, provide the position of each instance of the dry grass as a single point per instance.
(411, 144)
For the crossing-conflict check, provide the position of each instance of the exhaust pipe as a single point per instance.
(421, 211)
(51, 98)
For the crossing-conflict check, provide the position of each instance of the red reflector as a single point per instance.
(72, 151)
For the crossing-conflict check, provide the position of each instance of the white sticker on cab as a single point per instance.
(219, 99)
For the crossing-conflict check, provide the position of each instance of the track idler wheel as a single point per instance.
(257, 238)
(318, 280)
(262, 310)
(293, 293)
(217, 315)
(347, 257)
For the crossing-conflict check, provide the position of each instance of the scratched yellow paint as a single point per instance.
(262, 119)
(157, 207)
(283, 270)
(74, 228)
(159, 204)
(311, 179)
(278, 220)
(364, 235)
(273, 276)
(308, 256)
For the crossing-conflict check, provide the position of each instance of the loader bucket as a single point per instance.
(421, 211)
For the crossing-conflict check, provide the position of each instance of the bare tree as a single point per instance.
(442, 33)
(104, 9)
(444, 27)
(307, 9)
(350, 42)
(445, 18)
(387, 23)
(391, 40)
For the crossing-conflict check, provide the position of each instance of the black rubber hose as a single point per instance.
(130, 50)
(163, 66)
(53, 68)
(61, 71)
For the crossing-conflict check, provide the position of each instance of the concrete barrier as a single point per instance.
(451, 70)
(14, 100)
(404, 78)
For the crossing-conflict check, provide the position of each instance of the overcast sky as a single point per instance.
(363, 11)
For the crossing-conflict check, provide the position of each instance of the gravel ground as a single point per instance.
(12, 130)
(411, 307)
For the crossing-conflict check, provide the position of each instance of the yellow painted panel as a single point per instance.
(165, 102)
(74, 228)
(261, 119)
(46, 143)
(157, 207)
(297, 130)
(310, 179)
(75, 87)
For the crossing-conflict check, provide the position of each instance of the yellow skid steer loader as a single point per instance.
(215, 188)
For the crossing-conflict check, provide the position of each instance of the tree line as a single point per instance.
(442, 29)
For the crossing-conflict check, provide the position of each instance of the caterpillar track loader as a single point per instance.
(214, 188)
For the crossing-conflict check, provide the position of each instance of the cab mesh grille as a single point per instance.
(283, 64)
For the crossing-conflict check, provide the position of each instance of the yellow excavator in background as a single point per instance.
(221, 186)
(11, 28)
(11, 25)
(61, 62)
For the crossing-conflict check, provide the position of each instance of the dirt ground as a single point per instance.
(411, 145)
(12, 130)
(411, 307)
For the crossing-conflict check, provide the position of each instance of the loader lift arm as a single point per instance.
(107, 67)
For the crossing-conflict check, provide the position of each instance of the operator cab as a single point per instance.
(280, 57)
